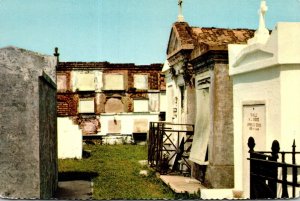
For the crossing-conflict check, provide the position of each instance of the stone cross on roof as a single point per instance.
(262, 33)
(180, 17)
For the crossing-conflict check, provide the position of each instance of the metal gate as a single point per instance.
(169, 146)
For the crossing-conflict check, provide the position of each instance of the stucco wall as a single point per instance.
(220, 172)
(69, 138)
(20, 153)
(48, 137)
(290, 107)
(19, 140)
(128, 122)
(256, 87)
(266, 74)
(213, 125)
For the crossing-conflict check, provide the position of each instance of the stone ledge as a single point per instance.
(181, 184)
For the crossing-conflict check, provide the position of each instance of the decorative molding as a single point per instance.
(251, 55)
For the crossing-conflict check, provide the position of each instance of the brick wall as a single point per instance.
(67, 104)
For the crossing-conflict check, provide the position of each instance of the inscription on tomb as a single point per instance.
(254, 119)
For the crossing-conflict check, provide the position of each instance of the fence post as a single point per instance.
(294, 169)
(150, 144)
(272, 183)
(251, 145)
(285, 193)
(157, 152)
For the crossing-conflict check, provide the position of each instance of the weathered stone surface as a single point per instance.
(219, 176)
(140, 125)
(116, 86)
(86, 105)
(113, 82)
(222, 138)
(47, 139)
(141, 105)
(89, 126)
(141, 81)
(154, 102)
(28, 154)
(114, 126)
(62, 82)
(114, 105)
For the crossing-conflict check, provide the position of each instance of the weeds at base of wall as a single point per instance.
(188, 196)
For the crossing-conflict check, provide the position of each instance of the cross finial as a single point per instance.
(56, 54)
(262, 33)
(180, 16)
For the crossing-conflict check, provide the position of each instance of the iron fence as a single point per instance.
(268, 176)
(169, 146)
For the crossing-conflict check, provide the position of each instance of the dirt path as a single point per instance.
(77, 189)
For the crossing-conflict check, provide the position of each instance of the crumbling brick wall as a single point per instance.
(68, 100)
(67, 104)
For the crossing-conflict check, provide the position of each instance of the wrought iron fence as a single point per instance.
(169, 146)
(268, 175)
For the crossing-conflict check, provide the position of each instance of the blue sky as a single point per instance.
(122, 31)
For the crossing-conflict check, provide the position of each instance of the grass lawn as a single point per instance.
(116, 171)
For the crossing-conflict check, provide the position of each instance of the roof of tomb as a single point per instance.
(199, 40)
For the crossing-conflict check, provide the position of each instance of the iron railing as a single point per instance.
(267, 173)
(169, 146)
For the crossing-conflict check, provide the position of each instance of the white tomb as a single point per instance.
(266, 93)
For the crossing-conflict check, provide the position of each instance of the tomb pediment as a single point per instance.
(180, 39)
(173, 43)
(249, 55)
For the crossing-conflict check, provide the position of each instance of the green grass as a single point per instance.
(117, 170)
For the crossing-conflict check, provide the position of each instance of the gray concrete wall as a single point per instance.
(20, 148)
(47, 137)
(191, 105)
(220, 172)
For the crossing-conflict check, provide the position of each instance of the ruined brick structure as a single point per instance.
(98, 96)
(200, 88)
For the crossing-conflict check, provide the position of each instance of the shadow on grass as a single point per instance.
(76, 175)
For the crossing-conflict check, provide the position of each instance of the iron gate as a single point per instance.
(169, 143)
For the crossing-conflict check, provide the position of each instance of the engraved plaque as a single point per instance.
(254, 125)
(254, 120)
